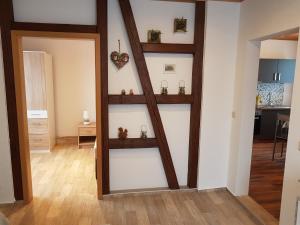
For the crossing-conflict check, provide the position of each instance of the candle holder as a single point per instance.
(181, 90)
(144, 132)
(85, 116)
(164, 87)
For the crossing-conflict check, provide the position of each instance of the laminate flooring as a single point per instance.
(65, 194)
(266, 179)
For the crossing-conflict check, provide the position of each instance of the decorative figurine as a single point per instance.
(123, 92)
(123, 133)
(131, 92)
(118, 58)
(154, 36)
(164, 87)
(180, 25)
(181, 90)
(144, 132)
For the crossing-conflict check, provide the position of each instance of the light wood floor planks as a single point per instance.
(65, 194)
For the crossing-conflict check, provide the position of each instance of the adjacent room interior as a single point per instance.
(271, 124)
(61, 112)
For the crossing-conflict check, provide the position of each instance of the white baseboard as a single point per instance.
(7, 201)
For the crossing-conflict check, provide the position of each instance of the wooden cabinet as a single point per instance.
(39, 99)
(86, 135)
(276, 70)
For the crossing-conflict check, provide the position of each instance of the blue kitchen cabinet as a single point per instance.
(267, 70)
(276, 70)
(286, 69)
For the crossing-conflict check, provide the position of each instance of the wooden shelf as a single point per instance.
(140, 99)
(169, 48)
(174, 99)
(126, 99)
(116, 143)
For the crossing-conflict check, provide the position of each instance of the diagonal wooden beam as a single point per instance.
(148, 92)
(197, 93)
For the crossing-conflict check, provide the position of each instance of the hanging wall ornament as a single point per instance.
(118, 58)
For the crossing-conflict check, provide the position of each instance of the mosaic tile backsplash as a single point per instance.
(274, 90)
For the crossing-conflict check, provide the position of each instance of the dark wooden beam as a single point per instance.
(126, 99)
(102, 29)
(197, 93)
(116, 143)
(174, 99)
(140, 99)
(54, 27)
(169, 48)
(148, 92)
(6, 19)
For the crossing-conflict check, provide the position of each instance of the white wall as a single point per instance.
(55, 11)
(74, 79)
(222, 23)
(278, 49)
(6, 181)
(259, 19)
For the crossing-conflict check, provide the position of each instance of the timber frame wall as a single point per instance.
(152, 100)
(8, 24)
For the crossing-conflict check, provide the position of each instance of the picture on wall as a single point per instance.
(180, 25)
(169, 68)
(154, 36)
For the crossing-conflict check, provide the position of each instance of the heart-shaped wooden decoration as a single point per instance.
(119, 59)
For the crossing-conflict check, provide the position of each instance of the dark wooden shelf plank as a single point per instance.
(140, 99)
(168, 48)
(174, 99)
(126, 99)
(116, 143)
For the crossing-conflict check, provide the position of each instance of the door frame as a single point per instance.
(19, 78)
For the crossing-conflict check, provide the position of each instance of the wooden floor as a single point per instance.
(65, 194)
(260, 213)
(266, 178)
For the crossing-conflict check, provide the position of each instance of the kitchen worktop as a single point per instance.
(273, 107)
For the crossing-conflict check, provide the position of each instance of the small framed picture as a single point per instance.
(154, 36)
(180, 25)
(169, 68)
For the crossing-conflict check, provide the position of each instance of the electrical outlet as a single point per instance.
(233, 114)
(299, 146)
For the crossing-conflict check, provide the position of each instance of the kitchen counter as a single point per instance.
(273, 107)
(266, 118)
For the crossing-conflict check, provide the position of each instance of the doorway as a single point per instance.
(25, 119)
(271, 120)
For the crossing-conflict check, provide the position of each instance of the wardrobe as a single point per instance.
(38, 74)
